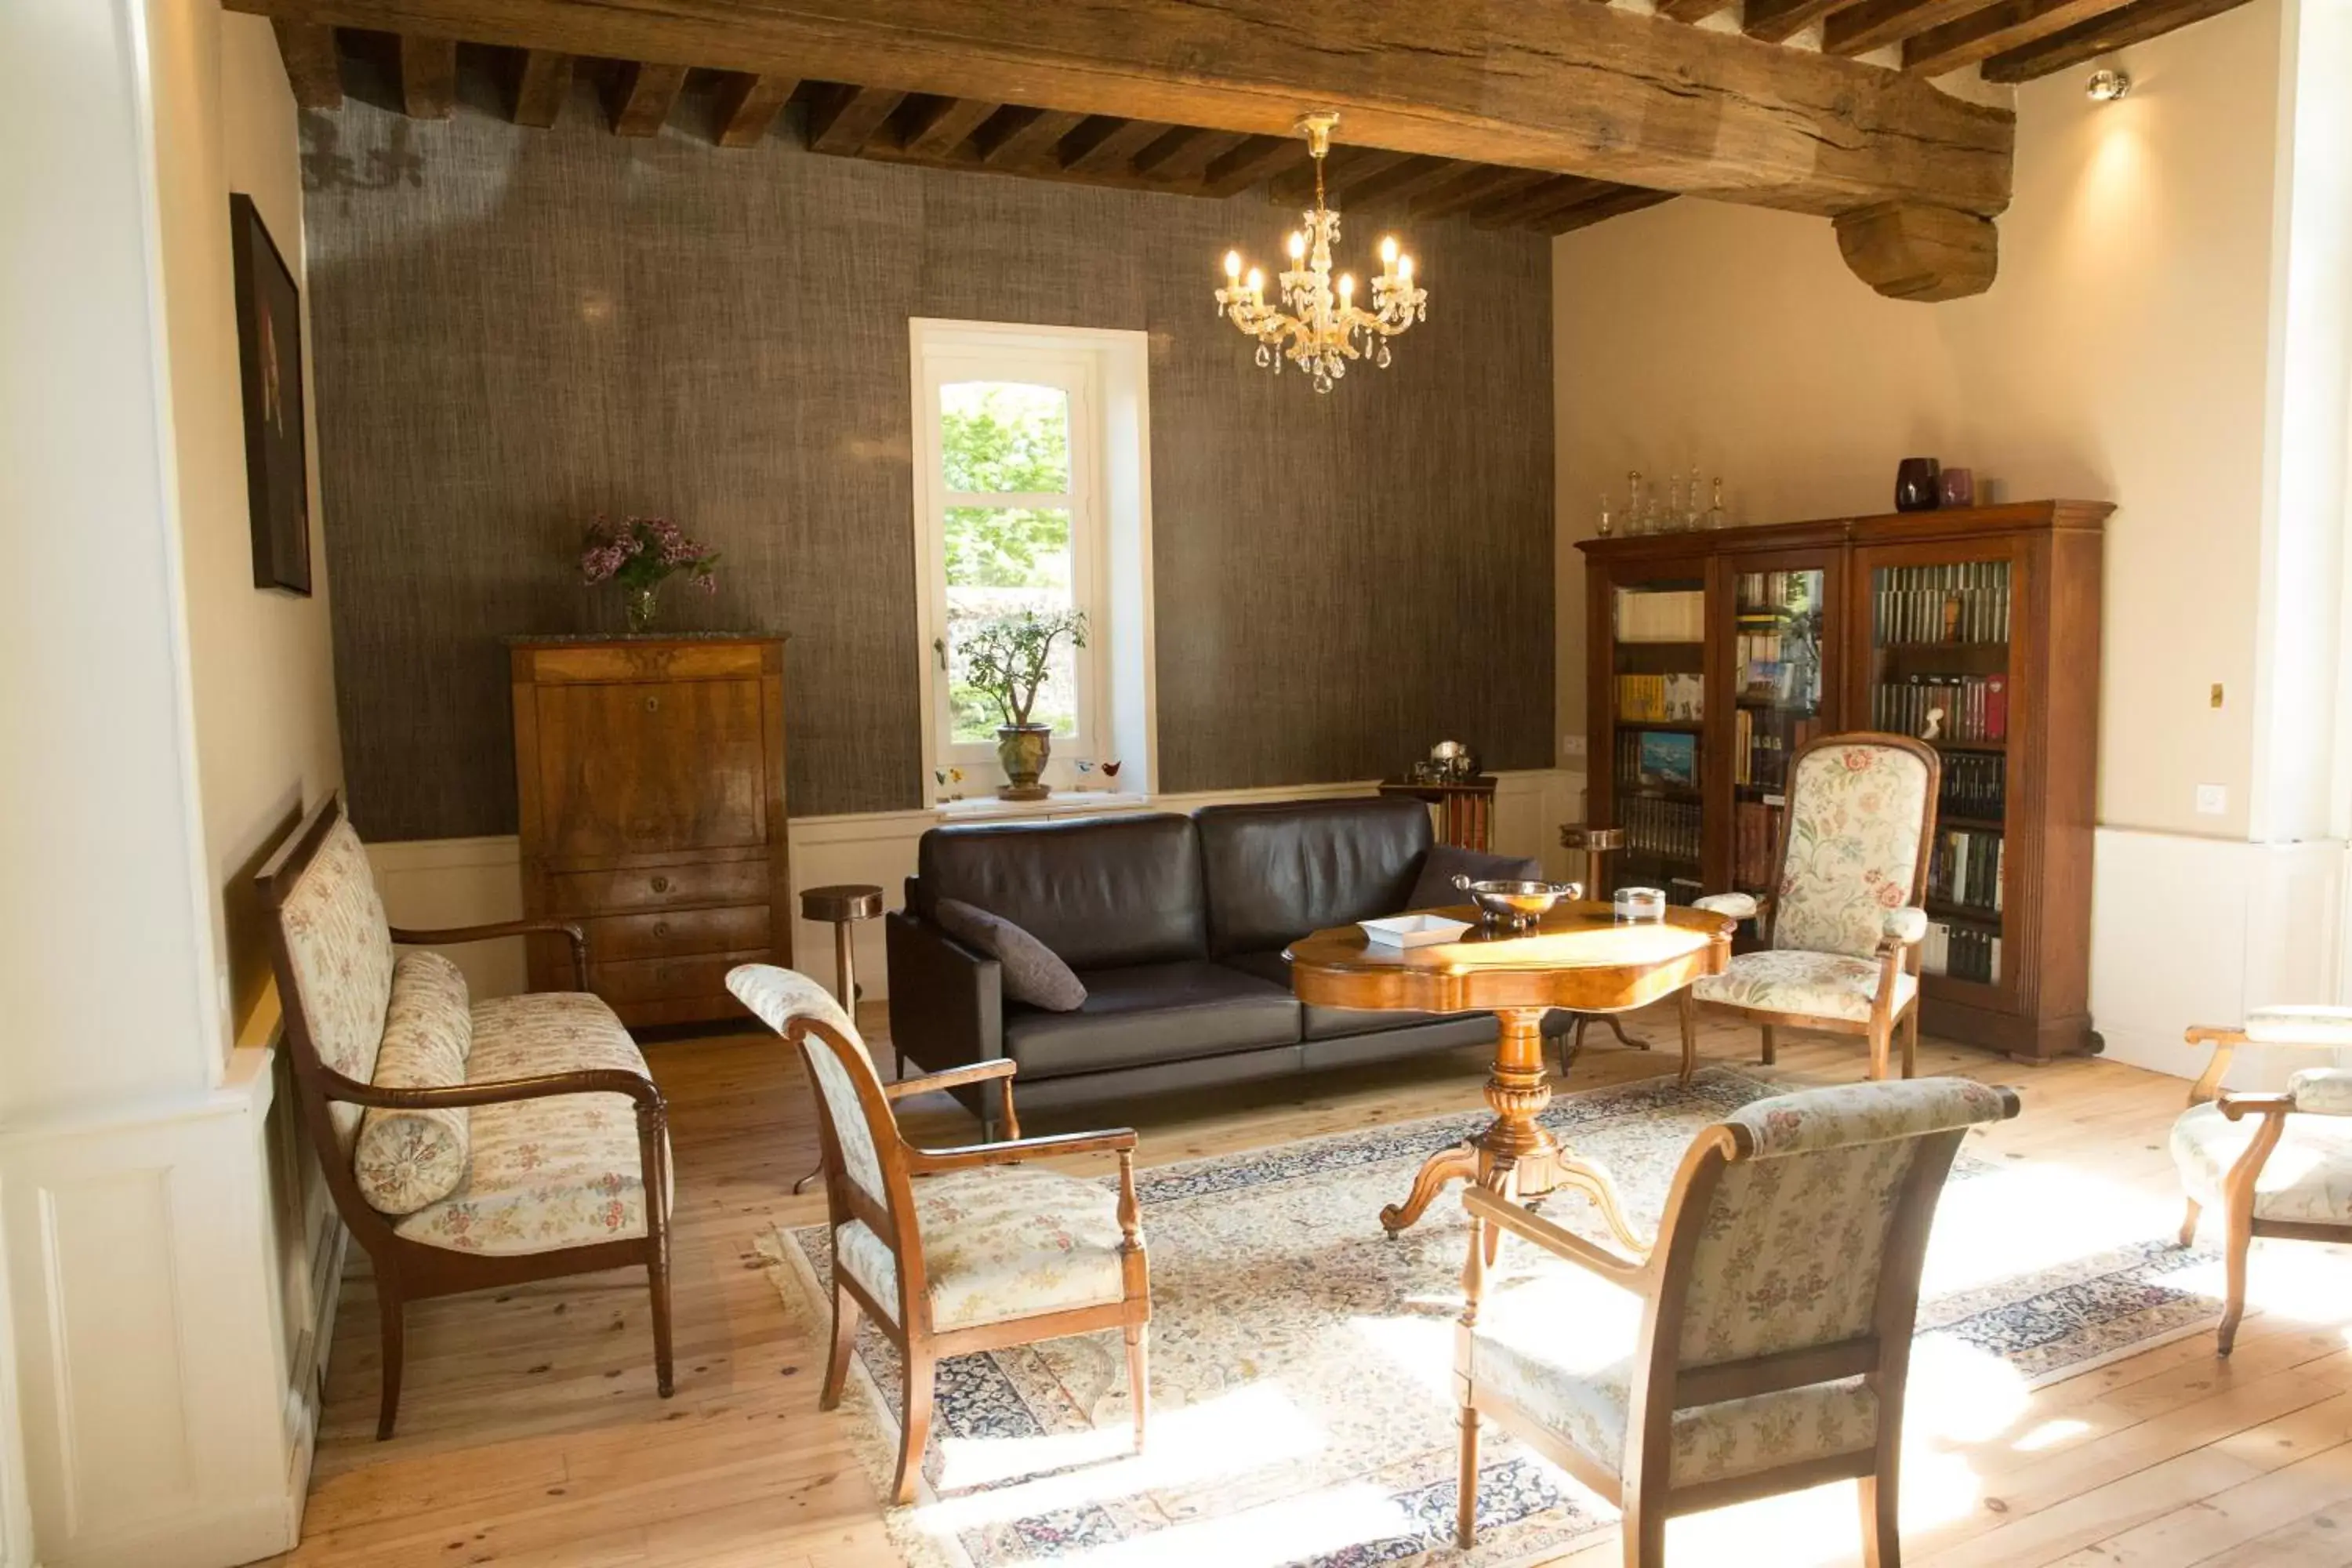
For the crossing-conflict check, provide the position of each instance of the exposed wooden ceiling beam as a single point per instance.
(312, 67)
(1017, 137)
(643, 95)
(1778, 21)
(1541, 201)
(1106, 144)
(1259, 158)
(940, 125)
(1591, 90)
(542, 82)
(1405, 180)
(1185, 153)
(1875, 24)
(843, 119)
(1691, 10)
(1616, 204)
(1345, 169)
(1918, 253)
(428, 76)
(2087, 41)
(747, 105)
(1485, 182)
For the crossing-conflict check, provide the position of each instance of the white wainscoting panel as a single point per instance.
(2198, 931)
(470, 882)
(149, 1347)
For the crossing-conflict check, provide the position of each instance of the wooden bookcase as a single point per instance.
(1710, 655)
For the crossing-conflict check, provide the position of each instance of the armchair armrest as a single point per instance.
(2238, 1107)
(544, 1085)
(457, 935)
(1904, 926)
(1001, 1069)
(2322, 1092)
(1494, 1209)
(1116, 1141)
(1737, 906)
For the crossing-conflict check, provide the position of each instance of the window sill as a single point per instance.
(1061, 803)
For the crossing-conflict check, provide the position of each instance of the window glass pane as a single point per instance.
(1002, 561)
(1000, 437)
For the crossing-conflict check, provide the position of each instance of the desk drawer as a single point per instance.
(677, 931)
(657, 979)
(658, 887)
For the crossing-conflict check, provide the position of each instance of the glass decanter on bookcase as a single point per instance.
(1778, 680)
(1658, 706)
(1940, 671)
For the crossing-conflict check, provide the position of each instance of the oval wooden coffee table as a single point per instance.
(1579, 957)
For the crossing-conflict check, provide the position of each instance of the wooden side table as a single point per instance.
(842, 906)
(1597, 843)
(1465, 810)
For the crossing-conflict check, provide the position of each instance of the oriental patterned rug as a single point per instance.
(1300, 1358)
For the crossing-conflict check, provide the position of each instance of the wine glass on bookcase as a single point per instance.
(1659, 710)
(1777, 678)
(1940, 671)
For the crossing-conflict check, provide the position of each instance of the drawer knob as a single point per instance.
(661, 884)
(661, 927)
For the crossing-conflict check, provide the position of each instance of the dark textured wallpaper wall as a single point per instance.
(516, 328)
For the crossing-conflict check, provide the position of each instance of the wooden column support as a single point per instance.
(1906, 251)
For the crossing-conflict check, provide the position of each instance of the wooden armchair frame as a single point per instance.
(2238, 1184)
(408, 1270)
(1894, 956)
(1645, 1492)
(906, 1323)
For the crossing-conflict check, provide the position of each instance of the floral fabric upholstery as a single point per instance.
(340, 948)
(407, 1159)
(1845, 1114)
(2309, 1024)
(2307, 1178)
(779, 996)
(2322, 1092)
(1855, 816)
(564, 1171)
(1559, 1349)
(1817, 984)
(1000, 1241)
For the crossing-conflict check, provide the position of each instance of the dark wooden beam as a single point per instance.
(542, 82)
(1616, 204)
(1691, 10)
(1259, 158)
(428, 76)
(1540, 201)
(1185, 153)
(843, 119)
(644, 92)
(1778, 21)
(2133, 23)
(1587, 88)
(1485, 183)
(1346, 167)
(1106, 144)
(1918, 253)
(940, 125)
(747, 105)
(312, 68)
(1875, 24)
(1405, 180)
(1018, 138)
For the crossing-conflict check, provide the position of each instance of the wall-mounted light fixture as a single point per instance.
(2106, 86)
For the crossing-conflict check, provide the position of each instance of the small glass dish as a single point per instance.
(1640, 903)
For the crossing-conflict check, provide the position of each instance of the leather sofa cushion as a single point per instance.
(1101, 892)
(1153, 1013)
(1273, 873)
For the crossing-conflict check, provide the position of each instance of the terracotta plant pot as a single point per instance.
(1023, 750)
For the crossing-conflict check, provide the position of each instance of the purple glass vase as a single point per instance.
(1916, 485)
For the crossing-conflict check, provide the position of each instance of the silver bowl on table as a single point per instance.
(1516, 904)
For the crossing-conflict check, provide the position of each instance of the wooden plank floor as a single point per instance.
(529, 1432)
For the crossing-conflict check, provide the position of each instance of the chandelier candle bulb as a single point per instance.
(1233, 264)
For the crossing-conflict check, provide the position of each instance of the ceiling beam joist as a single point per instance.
(940, 125)
(1259, 158)
(2087, 41)
(542, 81)
(1185, 153)
(643, 95)
(843, 119)
(1778, 21)
(1487, 182)
(428, 76)
(1995, 30)
(1107, 144)
(1589, 89)
(312, 67)
(1875, 24)
(1616, 204)
(1019, 138)
(747, 105)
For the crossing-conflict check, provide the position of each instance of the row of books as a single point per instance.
(1974, 785)
(1759, 752)
(1658, 757)
(1654, 616)
(1660, 698)
(1963, 952)
(1792, 592)
(1755, 832)
(1967, 601)
(1943, 708)
(1777, 667)
(1965, 866)
(1666, 827)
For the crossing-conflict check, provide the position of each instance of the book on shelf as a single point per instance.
(1776, 645)
(1677, 699)
(1961, 602)
(1761, 748)
(1965, 866)
(1974, 785)
(1961, 952)
(1972, 707)
(1649, 614)
(1669, 829)
(1755, 832)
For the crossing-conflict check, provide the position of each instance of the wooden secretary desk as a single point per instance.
(1712, 657)
(649, 771)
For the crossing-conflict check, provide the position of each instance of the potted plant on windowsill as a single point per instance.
(1005, 659)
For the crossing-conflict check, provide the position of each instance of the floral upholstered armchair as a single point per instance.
(953, 1251)
(468, 1144)
(1763, 1343)
(2276, 1165)
(1842, 928)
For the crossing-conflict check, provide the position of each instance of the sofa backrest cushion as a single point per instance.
(407, 1159)
(1275, 872)
(1101, 892)
(340, 948)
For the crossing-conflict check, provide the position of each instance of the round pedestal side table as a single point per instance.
(842, 906)
(1579, 957)
(1596, 842)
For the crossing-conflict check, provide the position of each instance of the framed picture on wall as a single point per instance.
(269, 363)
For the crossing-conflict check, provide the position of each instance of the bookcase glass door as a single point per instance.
(1658, 640)
(1939, 670)
(1778, 679)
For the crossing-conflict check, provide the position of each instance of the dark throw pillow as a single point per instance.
(1032, 972)
(1434, 889)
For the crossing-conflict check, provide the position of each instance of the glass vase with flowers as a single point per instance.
(641, 554)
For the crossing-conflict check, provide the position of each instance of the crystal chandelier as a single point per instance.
(1321, 327)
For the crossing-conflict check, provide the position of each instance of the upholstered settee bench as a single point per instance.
(467, 1144)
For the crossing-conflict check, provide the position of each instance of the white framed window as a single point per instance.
(1031, 495)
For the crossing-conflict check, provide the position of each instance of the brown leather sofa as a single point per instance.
(1176, 924)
